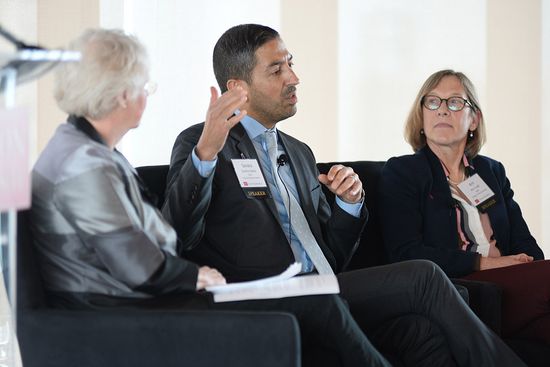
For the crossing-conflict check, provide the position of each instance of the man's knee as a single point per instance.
(424, 268)
(427, 275)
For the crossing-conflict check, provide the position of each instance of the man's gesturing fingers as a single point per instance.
(343, 182)
(220, 119)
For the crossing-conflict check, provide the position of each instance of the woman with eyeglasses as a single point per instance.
(448, 204)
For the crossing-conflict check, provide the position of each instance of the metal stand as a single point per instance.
(8, 250)
(26, 64)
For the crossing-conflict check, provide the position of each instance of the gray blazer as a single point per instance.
(92, 228)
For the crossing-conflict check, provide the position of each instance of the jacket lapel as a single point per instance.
(242, 143)
(440, 187)
(245, 150)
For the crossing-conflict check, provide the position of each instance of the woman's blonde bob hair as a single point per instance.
(415, 120)
(112, 63)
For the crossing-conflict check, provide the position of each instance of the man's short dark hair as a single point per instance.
(235, 52)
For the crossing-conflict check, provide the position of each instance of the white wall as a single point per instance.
(545, 135)
(310, 31)
(512, 107)
(386, 51)
(58, 22)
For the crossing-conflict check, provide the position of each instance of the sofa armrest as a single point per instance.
(154, 338)
(485, 299)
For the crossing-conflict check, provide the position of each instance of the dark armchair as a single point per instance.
(66, 338)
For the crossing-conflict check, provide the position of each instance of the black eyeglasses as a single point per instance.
(454, 104)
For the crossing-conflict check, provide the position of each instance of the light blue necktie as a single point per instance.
(295, 213)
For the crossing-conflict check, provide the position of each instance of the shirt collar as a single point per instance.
(83, 125)
(253, 128)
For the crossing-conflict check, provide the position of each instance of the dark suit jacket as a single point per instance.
(419, 220)
(243, 237)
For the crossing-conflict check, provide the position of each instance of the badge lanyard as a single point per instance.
(463, 238)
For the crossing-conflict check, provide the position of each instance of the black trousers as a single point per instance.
(407, 309)
(420, 287)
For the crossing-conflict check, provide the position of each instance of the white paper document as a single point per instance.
(279, 286)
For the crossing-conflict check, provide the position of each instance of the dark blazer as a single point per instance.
(220, 227)
(419, 220)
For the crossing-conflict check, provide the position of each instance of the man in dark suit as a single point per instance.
(246, 199)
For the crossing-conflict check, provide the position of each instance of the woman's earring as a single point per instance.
(421, 131)
(471, 134)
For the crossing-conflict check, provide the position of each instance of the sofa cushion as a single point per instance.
(371, 251)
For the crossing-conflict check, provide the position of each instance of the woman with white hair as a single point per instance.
(92, 228)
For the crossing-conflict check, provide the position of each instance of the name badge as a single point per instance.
(250, 178)
(477, 192)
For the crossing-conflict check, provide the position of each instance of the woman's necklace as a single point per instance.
(454, 182)
(448, 174)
